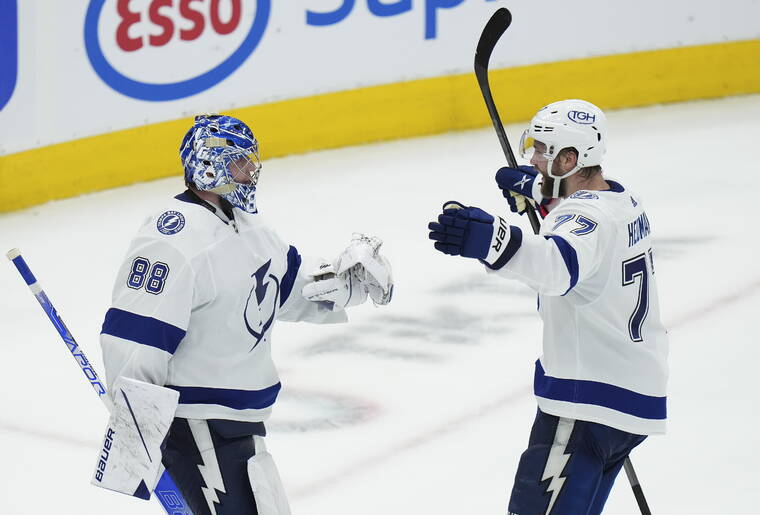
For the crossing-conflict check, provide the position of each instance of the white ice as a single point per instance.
(423, 406)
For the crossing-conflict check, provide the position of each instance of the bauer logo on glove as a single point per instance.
(473, 233)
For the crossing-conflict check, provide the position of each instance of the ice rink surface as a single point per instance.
(423, 406)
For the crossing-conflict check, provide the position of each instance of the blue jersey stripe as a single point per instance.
(143, 330)
(581, 391)
(289, 279)
(569, 257)
(235, 399)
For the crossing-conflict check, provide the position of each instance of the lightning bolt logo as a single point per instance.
(557, 460)
(209, 469)
(261, 285)
(257, 326)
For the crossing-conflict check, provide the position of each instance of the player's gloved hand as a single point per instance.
(517, 184)
(336, 291)
(371, 268)
(358, 272)
(471, 232)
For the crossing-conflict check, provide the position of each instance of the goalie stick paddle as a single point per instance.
(166, 490)
(492, 32)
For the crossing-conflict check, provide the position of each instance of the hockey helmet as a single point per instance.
(220, 154)
(567, 124)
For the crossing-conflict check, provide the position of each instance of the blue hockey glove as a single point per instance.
(517, 184)
(473, 233)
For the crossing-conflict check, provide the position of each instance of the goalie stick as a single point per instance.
(495, 27)
(166, 490)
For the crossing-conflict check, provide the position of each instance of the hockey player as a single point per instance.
(194, 304)
(600, 383)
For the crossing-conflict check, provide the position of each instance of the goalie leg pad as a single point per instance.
(130, 457)
(266, 483)
(208, 460)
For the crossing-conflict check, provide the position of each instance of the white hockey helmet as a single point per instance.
(567, 124)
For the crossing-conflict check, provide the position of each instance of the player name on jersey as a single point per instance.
(638, 229)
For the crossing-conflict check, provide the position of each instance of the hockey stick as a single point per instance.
(638, 493)
(493, 30)
(166, 490)
(495, 27)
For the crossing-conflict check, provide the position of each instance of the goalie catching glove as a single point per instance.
(358, 272)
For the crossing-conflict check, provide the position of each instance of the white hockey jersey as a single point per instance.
(194, 305)
(604, 347)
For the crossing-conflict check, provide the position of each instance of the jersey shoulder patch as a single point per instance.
(170, 222)
(584, 195)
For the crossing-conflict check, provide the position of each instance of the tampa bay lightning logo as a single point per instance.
(170, 222)
(585, 195)
(259, 314)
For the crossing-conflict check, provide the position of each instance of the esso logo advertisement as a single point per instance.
(8, 49)
(582, 117)
(162, 50)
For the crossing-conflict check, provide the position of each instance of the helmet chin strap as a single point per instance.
(558, 178)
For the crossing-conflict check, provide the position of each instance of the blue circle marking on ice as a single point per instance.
(170, 222)
(172, 91)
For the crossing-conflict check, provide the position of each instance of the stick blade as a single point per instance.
(496, 26)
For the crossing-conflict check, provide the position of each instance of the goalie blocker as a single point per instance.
(130, 458)
(212, 461)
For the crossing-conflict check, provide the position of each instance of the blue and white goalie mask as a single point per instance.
(220, 154)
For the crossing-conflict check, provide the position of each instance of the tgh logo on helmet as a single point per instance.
(581, 117)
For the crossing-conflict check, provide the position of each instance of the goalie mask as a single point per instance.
(567, 124)
(220, 154)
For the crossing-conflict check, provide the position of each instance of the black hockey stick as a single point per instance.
(493, 30)
(496, 26)
(637, 491)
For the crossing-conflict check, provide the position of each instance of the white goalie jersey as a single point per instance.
(193, 308)
(605, 348)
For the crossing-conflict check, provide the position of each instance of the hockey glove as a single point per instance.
(471, 232)
(357, 272)
(371, 268)
(517, 184)
(335, 291)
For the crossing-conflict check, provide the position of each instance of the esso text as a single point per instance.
(165, 20)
